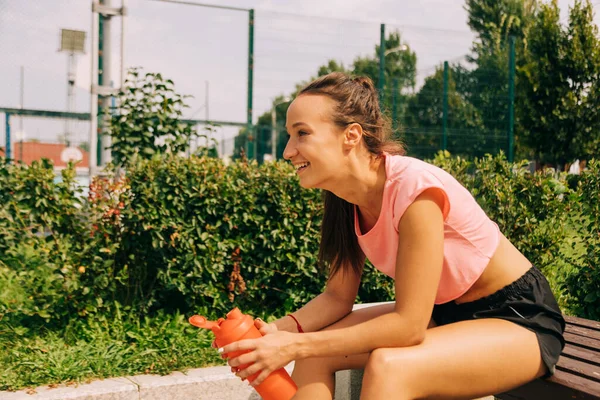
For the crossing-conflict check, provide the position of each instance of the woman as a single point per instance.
(471, 316)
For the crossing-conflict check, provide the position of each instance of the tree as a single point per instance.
(561, 107)
(400, 65)
(423, 129)
(148, 119)
(494, 22)
(331, 66)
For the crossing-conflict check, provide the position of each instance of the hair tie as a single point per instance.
(300, 330)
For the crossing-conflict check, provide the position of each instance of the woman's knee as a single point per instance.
(378, 364)
(390, 372)
(383, 363)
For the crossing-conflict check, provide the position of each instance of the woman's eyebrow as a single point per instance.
(295, 124)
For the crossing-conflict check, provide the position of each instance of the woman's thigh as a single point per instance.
(466, 359)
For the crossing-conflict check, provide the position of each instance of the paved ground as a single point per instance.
(215, 383)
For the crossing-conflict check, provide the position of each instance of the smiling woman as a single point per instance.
(471, 316)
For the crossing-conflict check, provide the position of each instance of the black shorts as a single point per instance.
(528, 302)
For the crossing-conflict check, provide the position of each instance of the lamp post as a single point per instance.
(274, 125)
(382, 55)
(397, 49)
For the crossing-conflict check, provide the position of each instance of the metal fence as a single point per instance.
(239, 65)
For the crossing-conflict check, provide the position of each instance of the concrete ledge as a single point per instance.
(215, 383)
(107, 389)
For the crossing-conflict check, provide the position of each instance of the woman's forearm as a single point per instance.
(323, 310)
(388, 330)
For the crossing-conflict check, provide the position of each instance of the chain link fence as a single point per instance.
(205, 51)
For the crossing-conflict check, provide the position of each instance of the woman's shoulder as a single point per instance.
(409, 177)
(404, 167)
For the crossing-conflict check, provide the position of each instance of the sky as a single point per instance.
(200, 47)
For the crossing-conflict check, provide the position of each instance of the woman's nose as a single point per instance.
(290, 150)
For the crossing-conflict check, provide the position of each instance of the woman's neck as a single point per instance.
(363, 185)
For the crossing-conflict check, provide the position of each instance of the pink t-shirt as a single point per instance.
(470, 237)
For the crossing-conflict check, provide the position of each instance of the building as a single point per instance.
(58, 153)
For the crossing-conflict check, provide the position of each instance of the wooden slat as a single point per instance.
(581, 331)
(586, 323)
(582, 354)
(581, 341)
(583, 369)
(559, 387)
(571, 381)
(577, 374)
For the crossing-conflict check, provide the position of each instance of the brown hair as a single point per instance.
(356, 101)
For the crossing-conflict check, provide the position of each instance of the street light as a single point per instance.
(400, 48)
(397, 49)
(274, 126)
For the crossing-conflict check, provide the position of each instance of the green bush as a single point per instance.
(147, 120)
(196, 236)
(200, 236)
(583, 281)
(40, 230)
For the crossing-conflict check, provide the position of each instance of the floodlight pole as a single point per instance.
(70, 94)
(93, 155)
(22, 132)
(105, 79)
(102, 12)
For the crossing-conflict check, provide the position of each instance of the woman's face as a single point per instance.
(315, 144)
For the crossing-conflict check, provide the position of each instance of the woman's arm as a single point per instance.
(418, 270)
(333, 304)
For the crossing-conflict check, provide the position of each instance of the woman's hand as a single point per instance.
(265, 328)
(262, 326)
(267, 354)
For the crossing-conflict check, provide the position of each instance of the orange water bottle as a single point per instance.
(237, 326)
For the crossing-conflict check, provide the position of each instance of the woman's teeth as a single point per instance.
(300, 166)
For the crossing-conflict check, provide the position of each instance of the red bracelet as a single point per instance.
(297, 323)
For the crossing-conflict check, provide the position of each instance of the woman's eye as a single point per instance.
(302, 133)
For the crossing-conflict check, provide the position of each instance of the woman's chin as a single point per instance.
(304, 185)
(311, 184)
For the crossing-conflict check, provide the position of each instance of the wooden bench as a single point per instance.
(577, 374)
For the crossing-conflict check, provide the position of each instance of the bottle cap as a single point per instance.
(226, 330)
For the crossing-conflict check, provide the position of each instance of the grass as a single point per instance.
(96, 349)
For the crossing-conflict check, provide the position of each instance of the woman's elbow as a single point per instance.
(414, 332)
(416, 337)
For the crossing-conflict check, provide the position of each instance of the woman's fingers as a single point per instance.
(260, 378)
(263, 327)
(242, 345)
(243, 359)
(247, 372)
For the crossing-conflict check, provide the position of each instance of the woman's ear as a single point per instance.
(353, 135)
